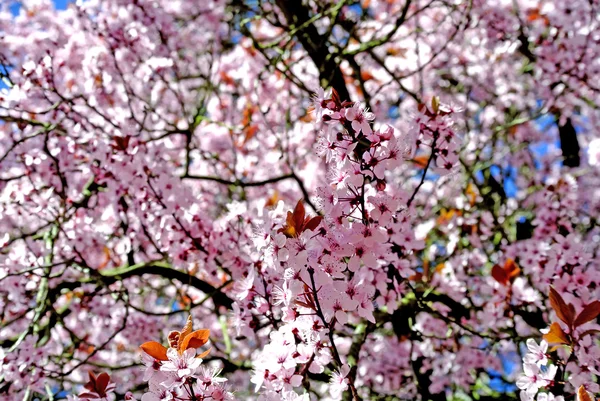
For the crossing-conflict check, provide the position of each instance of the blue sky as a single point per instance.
(59, 4)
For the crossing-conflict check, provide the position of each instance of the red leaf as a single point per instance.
(101, 383)
(313, 223)
(299, 213)
(589, 333)
(91, 384)
(335, 97)
(296, 222)
(590, 312)
(303, 304)
(505, 275)
(92, 396)
(96, 385)
(499, 275)
(563, 312)
(122, 143)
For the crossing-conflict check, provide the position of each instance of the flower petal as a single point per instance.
(532, 346)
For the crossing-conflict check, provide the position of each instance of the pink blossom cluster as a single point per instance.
(536, 373)
(322, 277)
(183, 377)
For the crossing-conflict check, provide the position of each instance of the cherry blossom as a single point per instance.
(537, 353)
(379, 199)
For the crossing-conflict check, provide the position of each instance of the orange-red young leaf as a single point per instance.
(288, 230)
(273, 199)
(249, 132)
(583, 395)
(556, 335)
(227, 78)
(397, 51)
(560, 307)
(590, 312)
(202, 355)
(155, 350)
(195, 339)
(366, 75)
(187, 329)
(511, 268)
(421, 161)
(471, 194)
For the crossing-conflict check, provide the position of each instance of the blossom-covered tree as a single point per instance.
(352, 200)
